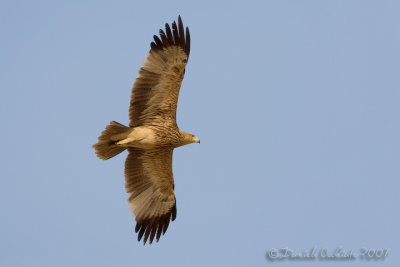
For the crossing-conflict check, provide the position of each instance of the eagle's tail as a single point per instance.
(107, 146)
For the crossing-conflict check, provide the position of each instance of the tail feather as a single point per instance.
(106, 147)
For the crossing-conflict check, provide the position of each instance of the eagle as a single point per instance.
(153, 133)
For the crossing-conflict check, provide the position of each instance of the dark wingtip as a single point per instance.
(148, 229)
(173, 213)
(176, 36)
(187, 43)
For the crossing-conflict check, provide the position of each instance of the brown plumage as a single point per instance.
(153, 133)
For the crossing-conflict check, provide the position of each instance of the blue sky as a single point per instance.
(296, 103)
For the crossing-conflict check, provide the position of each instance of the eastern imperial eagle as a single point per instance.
(153, 133)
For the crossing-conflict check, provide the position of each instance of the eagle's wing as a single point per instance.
(150, 183)
(155, 92)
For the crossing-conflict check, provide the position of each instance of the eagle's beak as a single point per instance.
(196, 140)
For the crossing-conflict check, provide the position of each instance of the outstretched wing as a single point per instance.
(155, 92)
(150, 183)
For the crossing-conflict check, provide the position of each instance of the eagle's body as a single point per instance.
(153, 133)
(149, 137)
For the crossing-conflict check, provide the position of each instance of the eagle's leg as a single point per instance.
(126, 141)
(139, 137)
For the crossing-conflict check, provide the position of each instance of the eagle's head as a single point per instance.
(189, 138)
